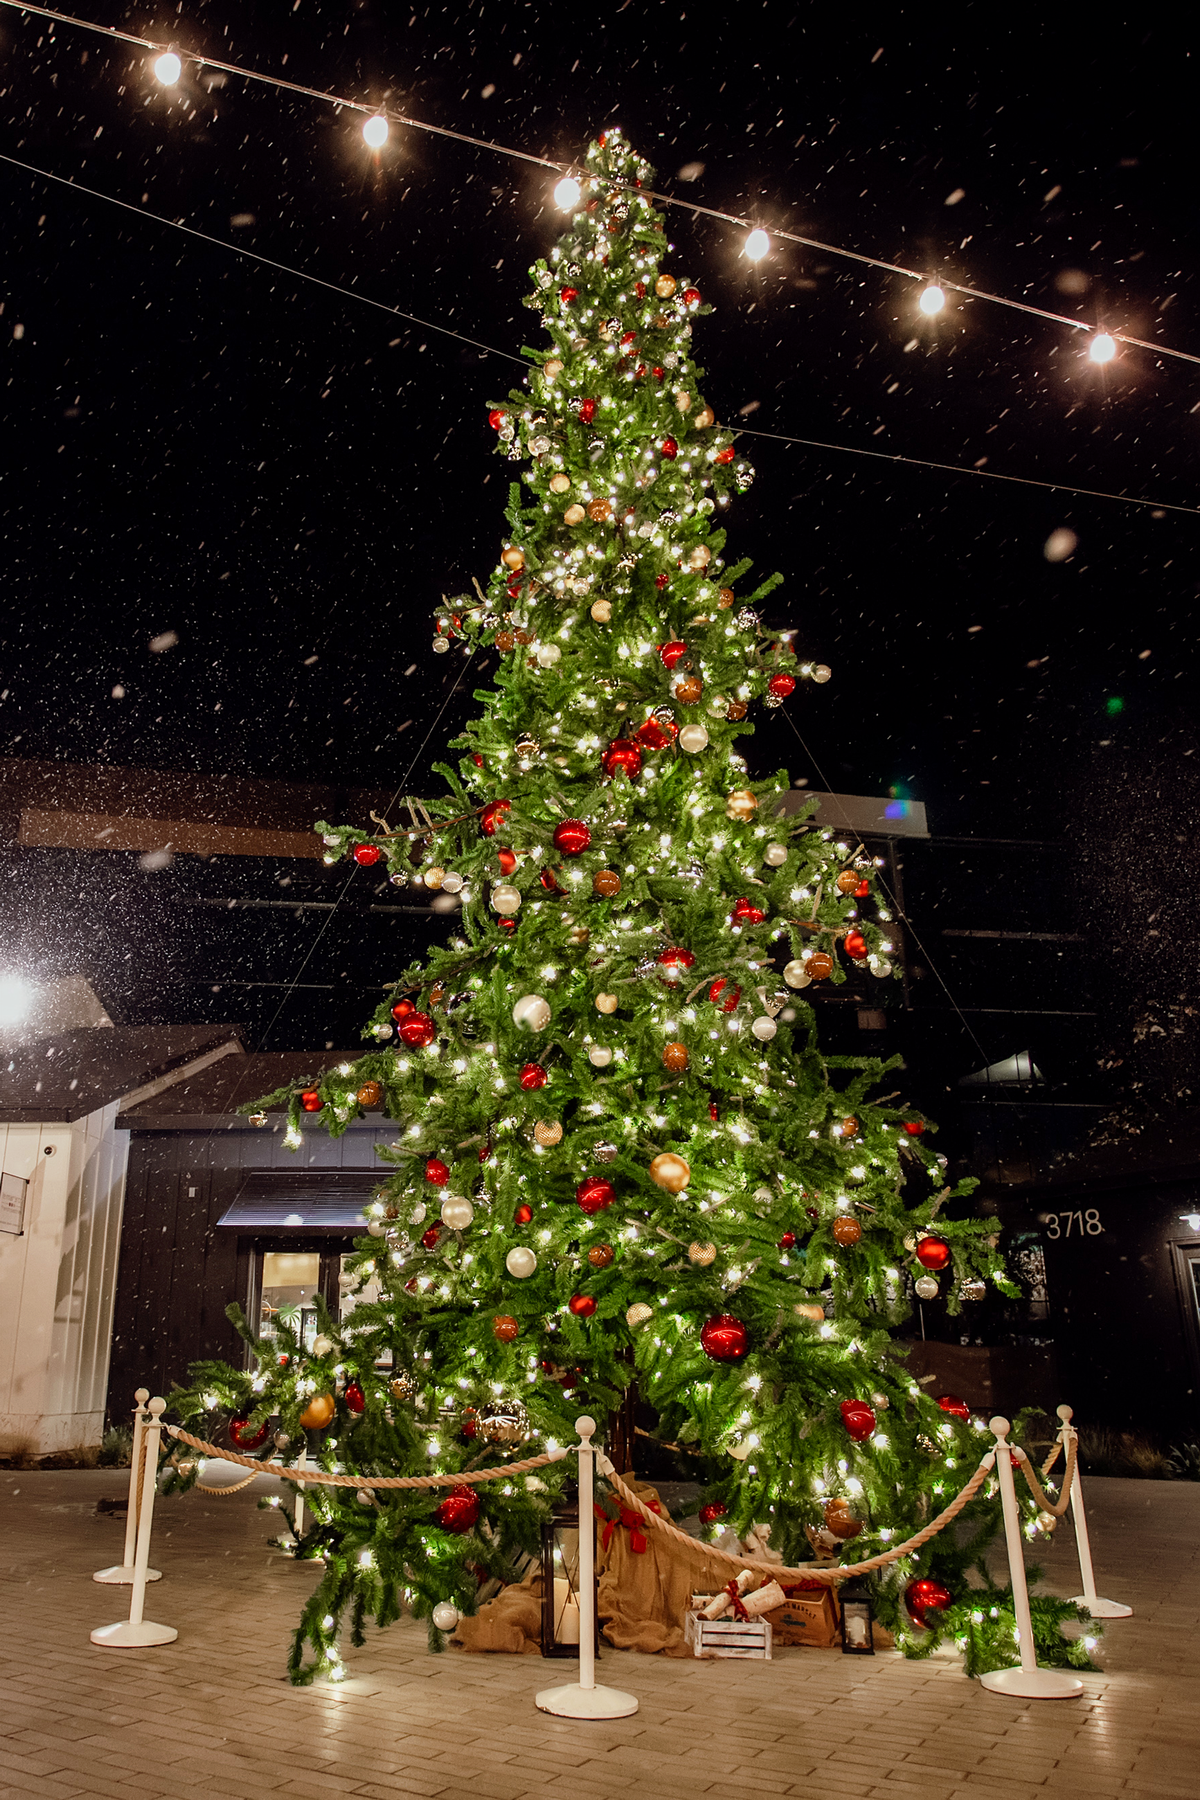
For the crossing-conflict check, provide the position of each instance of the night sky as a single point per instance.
(288, 480)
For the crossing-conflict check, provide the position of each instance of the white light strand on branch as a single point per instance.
(757, 243)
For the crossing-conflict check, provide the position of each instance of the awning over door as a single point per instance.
(303, 1200)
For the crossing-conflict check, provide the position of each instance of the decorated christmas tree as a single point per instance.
(622, 1164)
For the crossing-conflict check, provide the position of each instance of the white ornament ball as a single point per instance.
(796, 975)
(531, 1012)
(376, 1227)
(548, 655)
(322, 1346)
(821, 672)
(638, 1314)
(418, 1213)
(506, 899)
(440, 646)
(600, 1056)
(520, 1262)
(452, 882)
(382, 1031)
(879, 967)
(457, 1213)
(926, 1287)
(764, 1029)
(445, 1616)
(602, 611)
(693, 738)
(775, 855)
(763, 1196)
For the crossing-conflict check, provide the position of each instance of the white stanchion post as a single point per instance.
(1094, 1602)
(1027, 1682)
(137, 1632)
(583, 1699)
(121, 1574)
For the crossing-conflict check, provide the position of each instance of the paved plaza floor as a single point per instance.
(213, 1714)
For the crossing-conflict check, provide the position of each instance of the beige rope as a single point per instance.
(1055, 1453)
(1059, 1507)
(141, 1476)
(307, 1474)
(810, 1571)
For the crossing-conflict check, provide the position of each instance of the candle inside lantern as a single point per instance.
(566, 1612)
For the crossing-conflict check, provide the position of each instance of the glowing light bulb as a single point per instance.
(757, 244)
(168, 68)
(566, 193)
(932, 300)
(375, 132)
(1102, 348)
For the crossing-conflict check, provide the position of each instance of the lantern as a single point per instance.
(857, 1613)
(560, 1582)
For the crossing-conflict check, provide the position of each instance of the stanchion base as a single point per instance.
(121, 1575)
(126, 1636)
(575, 1702)
(1033, 1684)
(1103, 1609)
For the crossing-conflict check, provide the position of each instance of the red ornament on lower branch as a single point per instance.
(533, 1076)
(724, 1338)
(745, 913)
(950, 1403)
(925, 1599)
(417, 1030)
(242, 1437)
(624, 754)
(356, 1400)
(595, 1194)
(858, 1418)
(582, 1305)
(436, 1172)
(933, 1252)
(311, 1101)
(459, 1511)
(572, 837)
(367, 854)
(711, 1511)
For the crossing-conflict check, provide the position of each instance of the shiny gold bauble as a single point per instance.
(736, 711)
(527, 748)
(600, 1255)
(671, 1172)
(849, 1127)
(599, 511)
(319, 1412)
(638, 1314)
(402, 1387)
(688, 689)
(552, 368)
(846, 1231)
(601, 611)
(578, 934)
(504, 642)
(512, 558)
(502, 1422)
(840, 1520)
(702, 1254)
(574, 515)
(547, 1132)
(847, 881)
(370, 1094)
(665, 286)
(434, 877)
(725, 599)
(819, 965)
(811, 1311)
(606, 1003)
(741, 804)
(704, 418)
(675, 1058)
(683, 402)
(559, 483)
(504, 1330)
(606, 883)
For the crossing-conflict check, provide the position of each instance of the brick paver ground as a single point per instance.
(213, 1715)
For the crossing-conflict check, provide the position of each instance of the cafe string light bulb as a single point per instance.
(375, 131)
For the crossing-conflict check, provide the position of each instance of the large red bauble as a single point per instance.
(587, 411)
(496, 419)
(459, 1511)
(241, 1436)
(402, 1009)
(724, 1338)
(746, 914)
(523, 1214)
(491, 815)
(550, 882)
(311, 1101)
(356, 1400)
(858, 1419)
(725, 456)
(567, 294)
(533, 1076)
(915, 1127)
(418, 1030)
(933, 1252)
(595, 1193)
(691, 297)
(950, 1403)
(505, 1328)
(925, 1598)
(856, 946)
(623, 753)
(430, 1238)
(671, 653)
(572, 837)
(366, 854)
(675, 958)
(436, 1172)
(670, 449)
(656, 734)
(582, 1305)
(726, 997)
(711, 1511)
(507, 860)
(782, 685)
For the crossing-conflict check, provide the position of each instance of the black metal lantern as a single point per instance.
(857, 1614)
(560, 1583)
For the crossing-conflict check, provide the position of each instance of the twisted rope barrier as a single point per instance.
(325, 1477)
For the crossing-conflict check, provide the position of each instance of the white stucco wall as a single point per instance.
(58, 1279)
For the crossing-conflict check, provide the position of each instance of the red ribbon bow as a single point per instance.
(739, 1611)
(632, 1521)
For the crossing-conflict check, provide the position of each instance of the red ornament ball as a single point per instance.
(567, 294)
(915, 1127)
(587, 411)
(436, 1172)
(311, 1101)
(746, 914)
(656, 734)
(933, 1252)
(550, 882)
(782, 685)
(787, 1241)
(505, 1328)
(724, 1338)
(726, 455)
(402, 1009)
(661, 581)
(691, 297)
(430, 1238)
(418, 1030)
(726, 997)
(714, 1111)
(711, 1511)
(366, 854)
(356, 1400)
(671, 653)
(863, 890)
(496, 419)
(459, 1511)
(658, 375)
(856, 946)
(582, 1305)
(670, 448)
(594, 1194)
(491, 815)
(523, 1214)
(623, 753)
(505, 924)
(924, 1600)
(533, 1076)
(858, 1418)
(950, 1403)
(675, 958)
(242, 1437)
(572, 837)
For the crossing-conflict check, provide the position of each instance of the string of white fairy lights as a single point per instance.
(170, 61)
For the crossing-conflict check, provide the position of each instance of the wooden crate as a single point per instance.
(728, 1637)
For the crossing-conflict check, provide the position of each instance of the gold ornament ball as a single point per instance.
(606, 883)
(502, 1422)
(574, 515)
(725, 599)
(552, 368)
(796, 974)
(702, 1254)
(683, 402)
(689, 689)
(736, 711)
(846, 1231)
(527, 748)
(670, 1171)
(1047, 1520)
(506, 899)
(504, 642)
(559, 483)
(741, 804)
(434, 877)
(704, 418)
(601, 611)
(600, 1255)
(599, 511)
(600, 1056)
(675, 1058)
(513, 559)
(547, 1132)
(579, 934)
(664, 287)
(319, 1412)
(819, 965)
(693, 739)
(369, 1095)
(638, 1314)
(775, 855)
(847, 881)
(699, 557)
(402, 1387)
(606, 1003)
(808, 1310)
(841, 1521)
